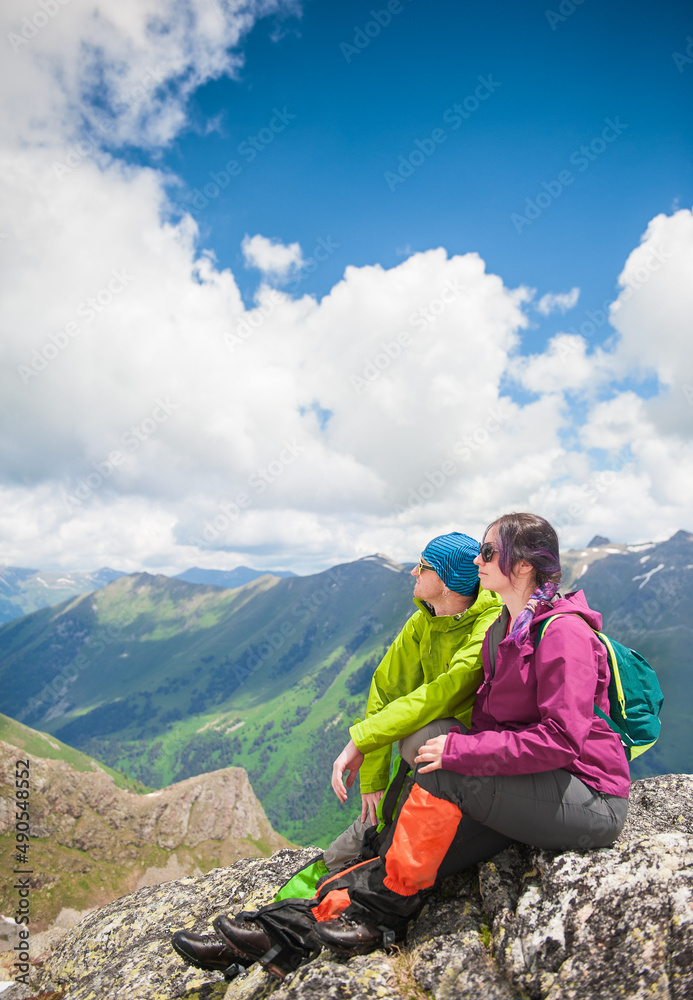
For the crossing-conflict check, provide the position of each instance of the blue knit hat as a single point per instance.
(452, 557)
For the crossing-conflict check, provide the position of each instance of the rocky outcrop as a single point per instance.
(612, 923)
(85, 810)
(106, 841)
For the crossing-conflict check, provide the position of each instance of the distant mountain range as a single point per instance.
(646, 599)
(25, 590)
(165, 679)
(230, 578)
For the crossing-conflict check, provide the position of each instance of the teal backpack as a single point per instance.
(635, 697)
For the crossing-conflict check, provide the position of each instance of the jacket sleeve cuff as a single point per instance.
(454, 748)
(356, 734)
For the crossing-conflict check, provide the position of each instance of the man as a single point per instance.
(426, 681)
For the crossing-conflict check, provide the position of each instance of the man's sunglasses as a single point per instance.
(422, 566)
(486, 551)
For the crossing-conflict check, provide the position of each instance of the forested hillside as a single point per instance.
(165, 679)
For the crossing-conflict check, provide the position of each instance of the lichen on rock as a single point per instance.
(615, 922)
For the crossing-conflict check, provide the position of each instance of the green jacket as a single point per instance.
(431, 670)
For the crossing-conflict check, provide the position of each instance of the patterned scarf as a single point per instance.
(520, 629)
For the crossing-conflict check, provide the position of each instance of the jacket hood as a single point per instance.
(573, 603)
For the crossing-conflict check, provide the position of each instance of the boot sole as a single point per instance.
(348, 951)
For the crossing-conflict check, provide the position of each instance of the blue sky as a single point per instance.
(325, 174)
(364, 273)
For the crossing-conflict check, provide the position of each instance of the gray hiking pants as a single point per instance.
(551, 809)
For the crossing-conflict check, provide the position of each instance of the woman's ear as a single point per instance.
(522, 569)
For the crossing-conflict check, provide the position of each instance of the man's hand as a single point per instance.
(350, 759)
(369, 802)
(431, 754)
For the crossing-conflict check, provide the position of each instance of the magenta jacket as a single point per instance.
(536, 713)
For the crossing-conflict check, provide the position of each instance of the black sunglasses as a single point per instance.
(486, 551)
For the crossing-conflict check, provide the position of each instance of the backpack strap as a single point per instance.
(543, 626)
(613, 665)
(394, 789)
(496, 634)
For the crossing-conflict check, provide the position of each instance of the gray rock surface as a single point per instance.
(614, 923)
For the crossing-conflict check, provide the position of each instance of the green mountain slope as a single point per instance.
(166, 679)
(38, 744)
(163, 679)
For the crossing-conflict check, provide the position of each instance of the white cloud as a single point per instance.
(561, 302)
(150, 419)
(653, 310)
(564, 366)
(616, 424)
(177, 427)
(271, 256)
(142, 57)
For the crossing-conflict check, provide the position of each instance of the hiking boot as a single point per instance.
(208, 951)
(349, 937)
(245, 936)
(255, 944)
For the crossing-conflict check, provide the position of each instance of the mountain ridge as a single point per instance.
(163, 679)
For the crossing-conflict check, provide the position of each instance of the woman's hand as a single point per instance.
(350, 759)
(431, 754)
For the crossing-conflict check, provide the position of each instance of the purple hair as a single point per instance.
(532, 538)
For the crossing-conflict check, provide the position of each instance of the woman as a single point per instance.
(536, 766)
